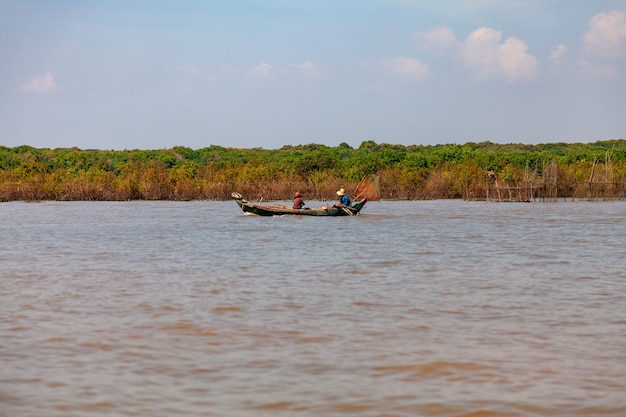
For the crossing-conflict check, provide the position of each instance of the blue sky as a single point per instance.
(153, 74)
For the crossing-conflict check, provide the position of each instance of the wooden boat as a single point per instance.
(280, 210)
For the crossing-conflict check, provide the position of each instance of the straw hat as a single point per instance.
(341, 192)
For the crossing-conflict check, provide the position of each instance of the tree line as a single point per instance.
(406, 172)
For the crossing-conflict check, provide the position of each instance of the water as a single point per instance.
(431, 308)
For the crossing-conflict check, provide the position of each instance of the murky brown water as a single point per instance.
(438, 308)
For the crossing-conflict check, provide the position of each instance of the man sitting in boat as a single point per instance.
(298, 201)
(344, 200)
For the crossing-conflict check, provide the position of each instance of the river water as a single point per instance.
(426, 308)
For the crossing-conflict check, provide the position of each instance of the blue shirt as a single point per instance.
(345, 200)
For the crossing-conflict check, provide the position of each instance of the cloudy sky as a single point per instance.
(152, 74)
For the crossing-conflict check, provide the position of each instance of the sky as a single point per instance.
(155, 74)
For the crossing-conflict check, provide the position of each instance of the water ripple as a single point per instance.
(443, 308)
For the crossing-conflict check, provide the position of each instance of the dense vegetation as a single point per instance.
(406, 172)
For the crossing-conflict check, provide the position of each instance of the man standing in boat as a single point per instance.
(298, 201)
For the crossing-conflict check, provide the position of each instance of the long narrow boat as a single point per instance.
(279, 210)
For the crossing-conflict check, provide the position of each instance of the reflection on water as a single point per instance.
(437, 308)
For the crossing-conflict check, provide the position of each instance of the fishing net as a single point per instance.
(369, 188)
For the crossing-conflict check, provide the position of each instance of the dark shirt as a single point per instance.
(345, 200)
(298, 203)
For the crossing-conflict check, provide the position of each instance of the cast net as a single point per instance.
(369, 188)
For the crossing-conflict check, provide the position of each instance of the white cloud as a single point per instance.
(304, 67)
(308, 70)
(268, 75)
(558, 53)
(406, 67)
(606, 35)
(188, 70)
(557, 57)
(223, 72)
(595, 70)
(438, 39)
(484, 53)
(263, 71)
(40, 84)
